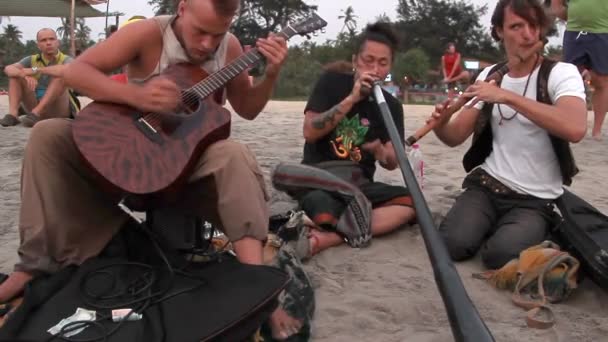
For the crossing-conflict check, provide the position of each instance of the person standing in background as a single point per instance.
(586, 46)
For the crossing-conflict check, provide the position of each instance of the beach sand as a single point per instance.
(386, 292)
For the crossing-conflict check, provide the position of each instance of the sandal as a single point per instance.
(30, 119)
(9, 120)
(7, 309)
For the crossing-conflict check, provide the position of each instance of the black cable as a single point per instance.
(137, 294)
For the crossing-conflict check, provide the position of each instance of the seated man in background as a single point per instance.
(36, 82)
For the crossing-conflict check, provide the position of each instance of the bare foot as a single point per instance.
(282, 325)
(320, 240)
(313, 241)
(13, 285)
(597, 137)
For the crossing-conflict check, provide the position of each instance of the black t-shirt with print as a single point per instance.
(364, 120)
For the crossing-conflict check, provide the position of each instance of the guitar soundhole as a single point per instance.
(191, 108)
(190, 102)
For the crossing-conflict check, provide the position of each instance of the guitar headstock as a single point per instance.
(305, 26)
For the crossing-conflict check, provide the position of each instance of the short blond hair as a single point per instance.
(45, 29)
(225, 7)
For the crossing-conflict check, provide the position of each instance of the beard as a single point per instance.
(199, 59)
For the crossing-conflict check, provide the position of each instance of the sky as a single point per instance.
(329, 10)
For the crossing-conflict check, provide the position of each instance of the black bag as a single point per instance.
(224, 300)
(583, 231)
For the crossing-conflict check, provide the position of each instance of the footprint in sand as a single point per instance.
(334, 312)
(411, 267)
(450, 188)
(437, 174)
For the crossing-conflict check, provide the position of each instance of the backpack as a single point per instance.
(541, 275)
(583, 230)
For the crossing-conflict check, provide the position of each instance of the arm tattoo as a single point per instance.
(325, 118)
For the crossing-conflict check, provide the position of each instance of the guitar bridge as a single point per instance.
(148, 131)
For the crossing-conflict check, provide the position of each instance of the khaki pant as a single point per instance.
(65, 218)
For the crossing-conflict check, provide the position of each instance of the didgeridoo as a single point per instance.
(461, 100)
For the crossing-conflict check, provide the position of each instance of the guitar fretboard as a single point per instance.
(219, 78)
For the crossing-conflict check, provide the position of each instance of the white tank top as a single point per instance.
(173, 52)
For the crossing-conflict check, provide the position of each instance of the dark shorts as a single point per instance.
(325, 208)
(383, 195)
(587, 49)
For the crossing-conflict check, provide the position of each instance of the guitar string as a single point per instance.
(214, 82)
(205, 88)
(200, 91)
(217, 79)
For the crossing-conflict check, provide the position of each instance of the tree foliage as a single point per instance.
(349, 20)
(431, 24)
(256, 18)
(11, 41)
(162, 7)
(259, 17)
(300, 73)
(424, 28)
(13, 49)
(82, 34)
(414, 64)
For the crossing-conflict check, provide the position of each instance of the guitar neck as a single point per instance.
(221, 77)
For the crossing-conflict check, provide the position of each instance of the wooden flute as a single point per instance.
(461, 100)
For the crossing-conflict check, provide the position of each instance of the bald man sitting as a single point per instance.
(36, 82)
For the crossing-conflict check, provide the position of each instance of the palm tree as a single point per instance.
(12, 41)
(63, 31)
(82, 34)
(349, 19)
(12, 34)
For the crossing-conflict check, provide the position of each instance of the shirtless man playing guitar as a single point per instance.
(65, 218)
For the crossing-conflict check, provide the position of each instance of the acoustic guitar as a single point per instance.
(145, 153)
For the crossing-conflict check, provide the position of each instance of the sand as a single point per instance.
(385, 292)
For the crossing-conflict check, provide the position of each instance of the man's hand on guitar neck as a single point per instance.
(159, 95)
(274, 49)
(249, 98)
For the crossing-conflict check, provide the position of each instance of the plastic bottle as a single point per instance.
(417, 163)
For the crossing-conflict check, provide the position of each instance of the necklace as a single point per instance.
(502, 117)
